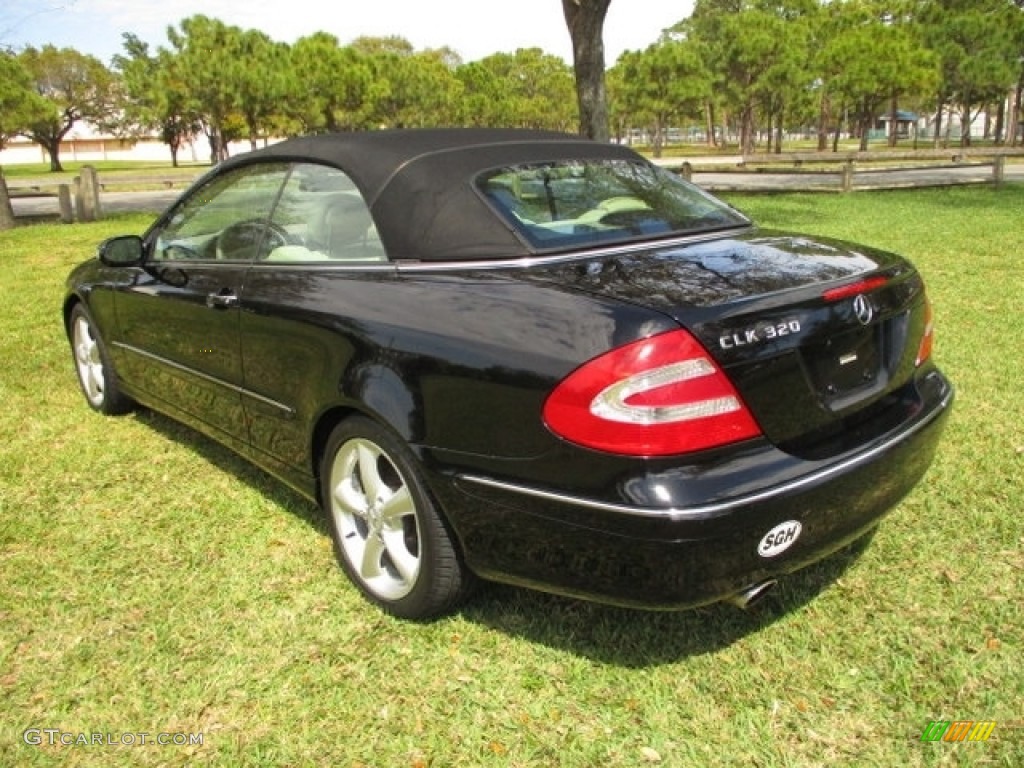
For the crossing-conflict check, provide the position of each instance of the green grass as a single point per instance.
(152, 582)
(72, 167)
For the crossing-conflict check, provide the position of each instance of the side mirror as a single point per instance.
(122, 251)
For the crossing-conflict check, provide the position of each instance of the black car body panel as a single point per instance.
(456, 341)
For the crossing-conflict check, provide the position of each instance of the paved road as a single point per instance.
(760, 181)
(110, 202)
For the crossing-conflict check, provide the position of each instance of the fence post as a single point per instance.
(67, 213)
(686, 171)
(90, 194)
(847, 179)
(76, 193)
(998, 169)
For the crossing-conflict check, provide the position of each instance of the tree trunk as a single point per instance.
(939, 108)
(585, 20)
(1015, 112)
(893, 125)
(659, 136)
(865, 126)
(965, 125)
(6, 210)
(747, 130)
(52, 147)
(823, 116)
(712, 139)
(779, 129)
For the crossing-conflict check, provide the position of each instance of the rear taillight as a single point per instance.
(659, 396)
(924, 350)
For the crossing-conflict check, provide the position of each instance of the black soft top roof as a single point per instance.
(420, 183)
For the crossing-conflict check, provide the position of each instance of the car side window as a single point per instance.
(227, 219)
(326, 218)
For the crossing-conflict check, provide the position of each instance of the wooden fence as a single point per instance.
(848, 171)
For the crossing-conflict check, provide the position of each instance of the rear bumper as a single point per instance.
(681, 556)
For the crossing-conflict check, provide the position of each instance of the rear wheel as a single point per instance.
(96, 375)
(388, 535)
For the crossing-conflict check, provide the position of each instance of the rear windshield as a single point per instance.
(584, 202)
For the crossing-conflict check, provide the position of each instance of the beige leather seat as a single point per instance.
(343, 229)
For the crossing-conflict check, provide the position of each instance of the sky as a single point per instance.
(473, 28)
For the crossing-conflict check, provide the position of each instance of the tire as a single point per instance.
(96, 375)
(388, 535)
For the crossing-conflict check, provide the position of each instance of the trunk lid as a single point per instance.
(819, 337)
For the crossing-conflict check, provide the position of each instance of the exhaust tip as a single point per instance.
(750, 596)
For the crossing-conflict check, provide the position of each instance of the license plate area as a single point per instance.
(847, 366)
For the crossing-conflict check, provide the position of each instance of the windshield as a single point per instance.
(581, 202)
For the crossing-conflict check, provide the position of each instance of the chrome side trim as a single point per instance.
(287, 410)
(406, 266)
(707, 510)
(563, 258)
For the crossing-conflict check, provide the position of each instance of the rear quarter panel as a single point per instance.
(460, 362)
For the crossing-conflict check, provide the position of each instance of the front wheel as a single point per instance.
(388, 535)
(96, 375)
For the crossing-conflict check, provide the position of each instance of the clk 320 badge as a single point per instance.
(759, 334)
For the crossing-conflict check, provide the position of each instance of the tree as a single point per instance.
(74, 87)
(758, 51)
(663, 83)
(874, 62)
(409, 89)
(977, 44)
(206, 56)
(528, 89)
(260, 78)
(154, 99)
(1018, 92)
(19, 107)
(331, 85)
(585, 20)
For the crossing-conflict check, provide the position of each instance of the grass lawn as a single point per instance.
(154, 583)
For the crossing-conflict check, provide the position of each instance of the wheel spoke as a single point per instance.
(396, 506)
(351, 500)
(347, 493)
(370, 562)
(368, 472)
(406, 563)
(96, 378)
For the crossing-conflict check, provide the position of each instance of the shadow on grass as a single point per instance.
(622, 636)
(637, 638)
(228, 461)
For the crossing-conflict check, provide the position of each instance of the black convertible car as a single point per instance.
(524, 357)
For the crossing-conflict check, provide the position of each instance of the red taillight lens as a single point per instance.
(924, 350)
(659, 396)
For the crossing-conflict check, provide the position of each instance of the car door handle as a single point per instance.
(222, 300)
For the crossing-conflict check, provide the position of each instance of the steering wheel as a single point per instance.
(245, 240)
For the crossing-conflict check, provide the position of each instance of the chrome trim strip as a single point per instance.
(562, 258)
(705, 510)
(326, 265)
(289, 411)
(402, 266)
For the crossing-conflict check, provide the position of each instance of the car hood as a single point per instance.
(677, 278)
